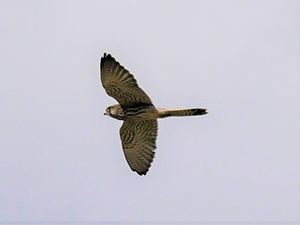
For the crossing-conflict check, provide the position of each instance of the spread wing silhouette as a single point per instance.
(138, 141)
(120, 84)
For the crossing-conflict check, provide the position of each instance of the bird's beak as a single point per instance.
(105, 113)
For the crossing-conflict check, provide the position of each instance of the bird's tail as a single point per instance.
(181, 112)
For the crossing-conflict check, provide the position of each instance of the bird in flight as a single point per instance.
(139, 130)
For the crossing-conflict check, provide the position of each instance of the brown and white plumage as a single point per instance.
(139, 130)
(120, 84)
(138, 142)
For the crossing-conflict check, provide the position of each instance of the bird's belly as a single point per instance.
(141, 113)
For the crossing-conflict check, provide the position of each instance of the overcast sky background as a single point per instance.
(61, 159)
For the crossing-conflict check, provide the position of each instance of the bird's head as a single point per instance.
(113, 111)
(107, 111)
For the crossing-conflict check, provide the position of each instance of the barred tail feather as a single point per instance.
(182, 112)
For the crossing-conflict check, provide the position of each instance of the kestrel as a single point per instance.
(139, 130)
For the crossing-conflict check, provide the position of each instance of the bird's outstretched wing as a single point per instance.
(120, 84)
(138, 141)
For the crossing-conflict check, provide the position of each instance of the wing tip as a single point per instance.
(142, 173)
(104, 58)
(145, 170)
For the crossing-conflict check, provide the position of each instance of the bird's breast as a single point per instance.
(140, 112)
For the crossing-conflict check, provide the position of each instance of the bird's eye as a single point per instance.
(107, 110)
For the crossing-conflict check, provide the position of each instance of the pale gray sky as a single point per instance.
(61, 159)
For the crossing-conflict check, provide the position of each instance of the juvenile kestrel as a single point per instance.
(139, 129)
